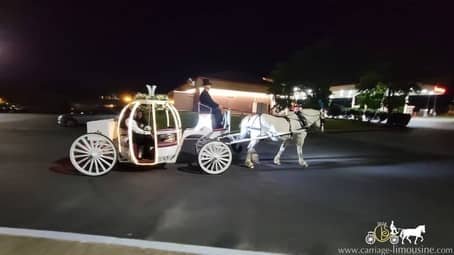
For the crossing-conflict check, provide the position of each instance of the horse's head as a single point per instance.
(422, 228)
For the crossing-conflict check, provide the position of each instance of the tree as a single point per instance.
(315, 68)
(394, 78)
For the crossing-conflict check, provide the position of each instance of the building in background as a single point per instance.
(423, 101)
(238, 92)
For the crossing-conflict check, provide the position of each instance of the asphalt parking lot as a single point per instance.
(354, 180)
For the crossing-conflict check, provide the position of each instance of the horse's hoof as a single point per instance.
(255, 158)
(304, 164)
(249, 164)
(277, 162)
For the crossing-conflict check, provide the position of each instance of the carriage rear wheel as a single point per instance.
(215, 157)
(93, 154)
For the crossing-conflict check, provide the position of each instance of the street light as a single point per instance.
(126, 98)
(437, 91)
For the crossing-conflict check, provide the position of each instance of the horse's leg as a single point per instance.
(277, 158)
(250, 150)
(420, 236)
(299, 148)
(254, 155)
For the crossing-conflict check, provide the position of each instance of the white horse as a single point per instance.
(277, 128)
(416, 232)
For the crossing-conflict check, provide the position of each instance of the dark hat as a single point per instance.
(206, 82)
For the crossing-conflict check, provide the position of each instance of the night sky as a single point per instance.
(110, 44)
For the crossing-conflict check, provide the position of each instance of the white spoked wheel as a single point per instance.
(93, 154)
(215, 157)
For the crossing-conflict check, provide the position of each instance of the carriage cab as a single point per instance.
(162, 120)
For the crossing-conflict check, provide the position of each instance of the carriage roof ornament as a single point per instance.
(151, 90)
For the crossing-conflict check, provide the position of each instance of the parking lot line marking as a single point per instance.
(144, 244)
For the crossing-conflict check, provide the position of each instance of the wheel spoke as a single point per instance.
(224, 152)
(209, 164)
(84, 159)
(84, 141)
(206, 155)
(81, 151)
(102, 165)
(86, 164)
(211, 148)
(91, 165)
(96, 166)
(91, 142)
(82, 146)
(223, 159)
(107, 157)
(105, 162)
(216, 166)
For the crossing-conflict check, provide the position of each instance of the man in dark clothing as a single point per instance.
(299, 112)
(206, 99)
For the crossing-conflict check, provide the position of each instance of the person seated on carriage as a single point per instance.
(298, 110)
(141, 134)
(206, 99)
(280, 111)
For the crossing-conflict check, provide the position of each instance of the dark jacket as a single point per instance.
(206, 99)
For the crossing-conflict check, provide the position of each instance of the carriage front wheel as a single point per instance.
(93, 154)
(215, 157)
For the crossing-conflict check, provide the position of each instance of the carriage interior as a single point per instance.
(156, 118)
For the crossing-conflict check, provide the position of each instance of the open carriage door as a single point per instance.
(168, 130)
(136, 142)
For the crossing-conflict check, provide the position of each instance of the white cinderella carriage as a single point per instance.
(110, 141)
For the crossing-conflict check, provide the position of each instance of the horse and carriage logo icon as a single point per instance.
(382, 233)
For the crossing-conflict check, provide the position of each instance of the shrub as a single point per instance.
(398, 119)
(336, 110)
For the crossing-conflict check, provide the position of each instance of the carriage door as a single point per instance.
(168, 134)
(142, 147)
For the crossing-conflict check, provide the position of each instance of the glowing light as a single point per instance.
(295, 89)
(2, 101)
(223, 92)
(109, 105)
(267, 79)
(424, 91)
(439, 90)
(126, 98)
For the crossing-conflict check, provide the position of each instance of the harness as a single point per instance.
(302, 122)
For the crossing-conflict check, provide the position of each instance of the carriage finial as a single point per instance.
(151, 90)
